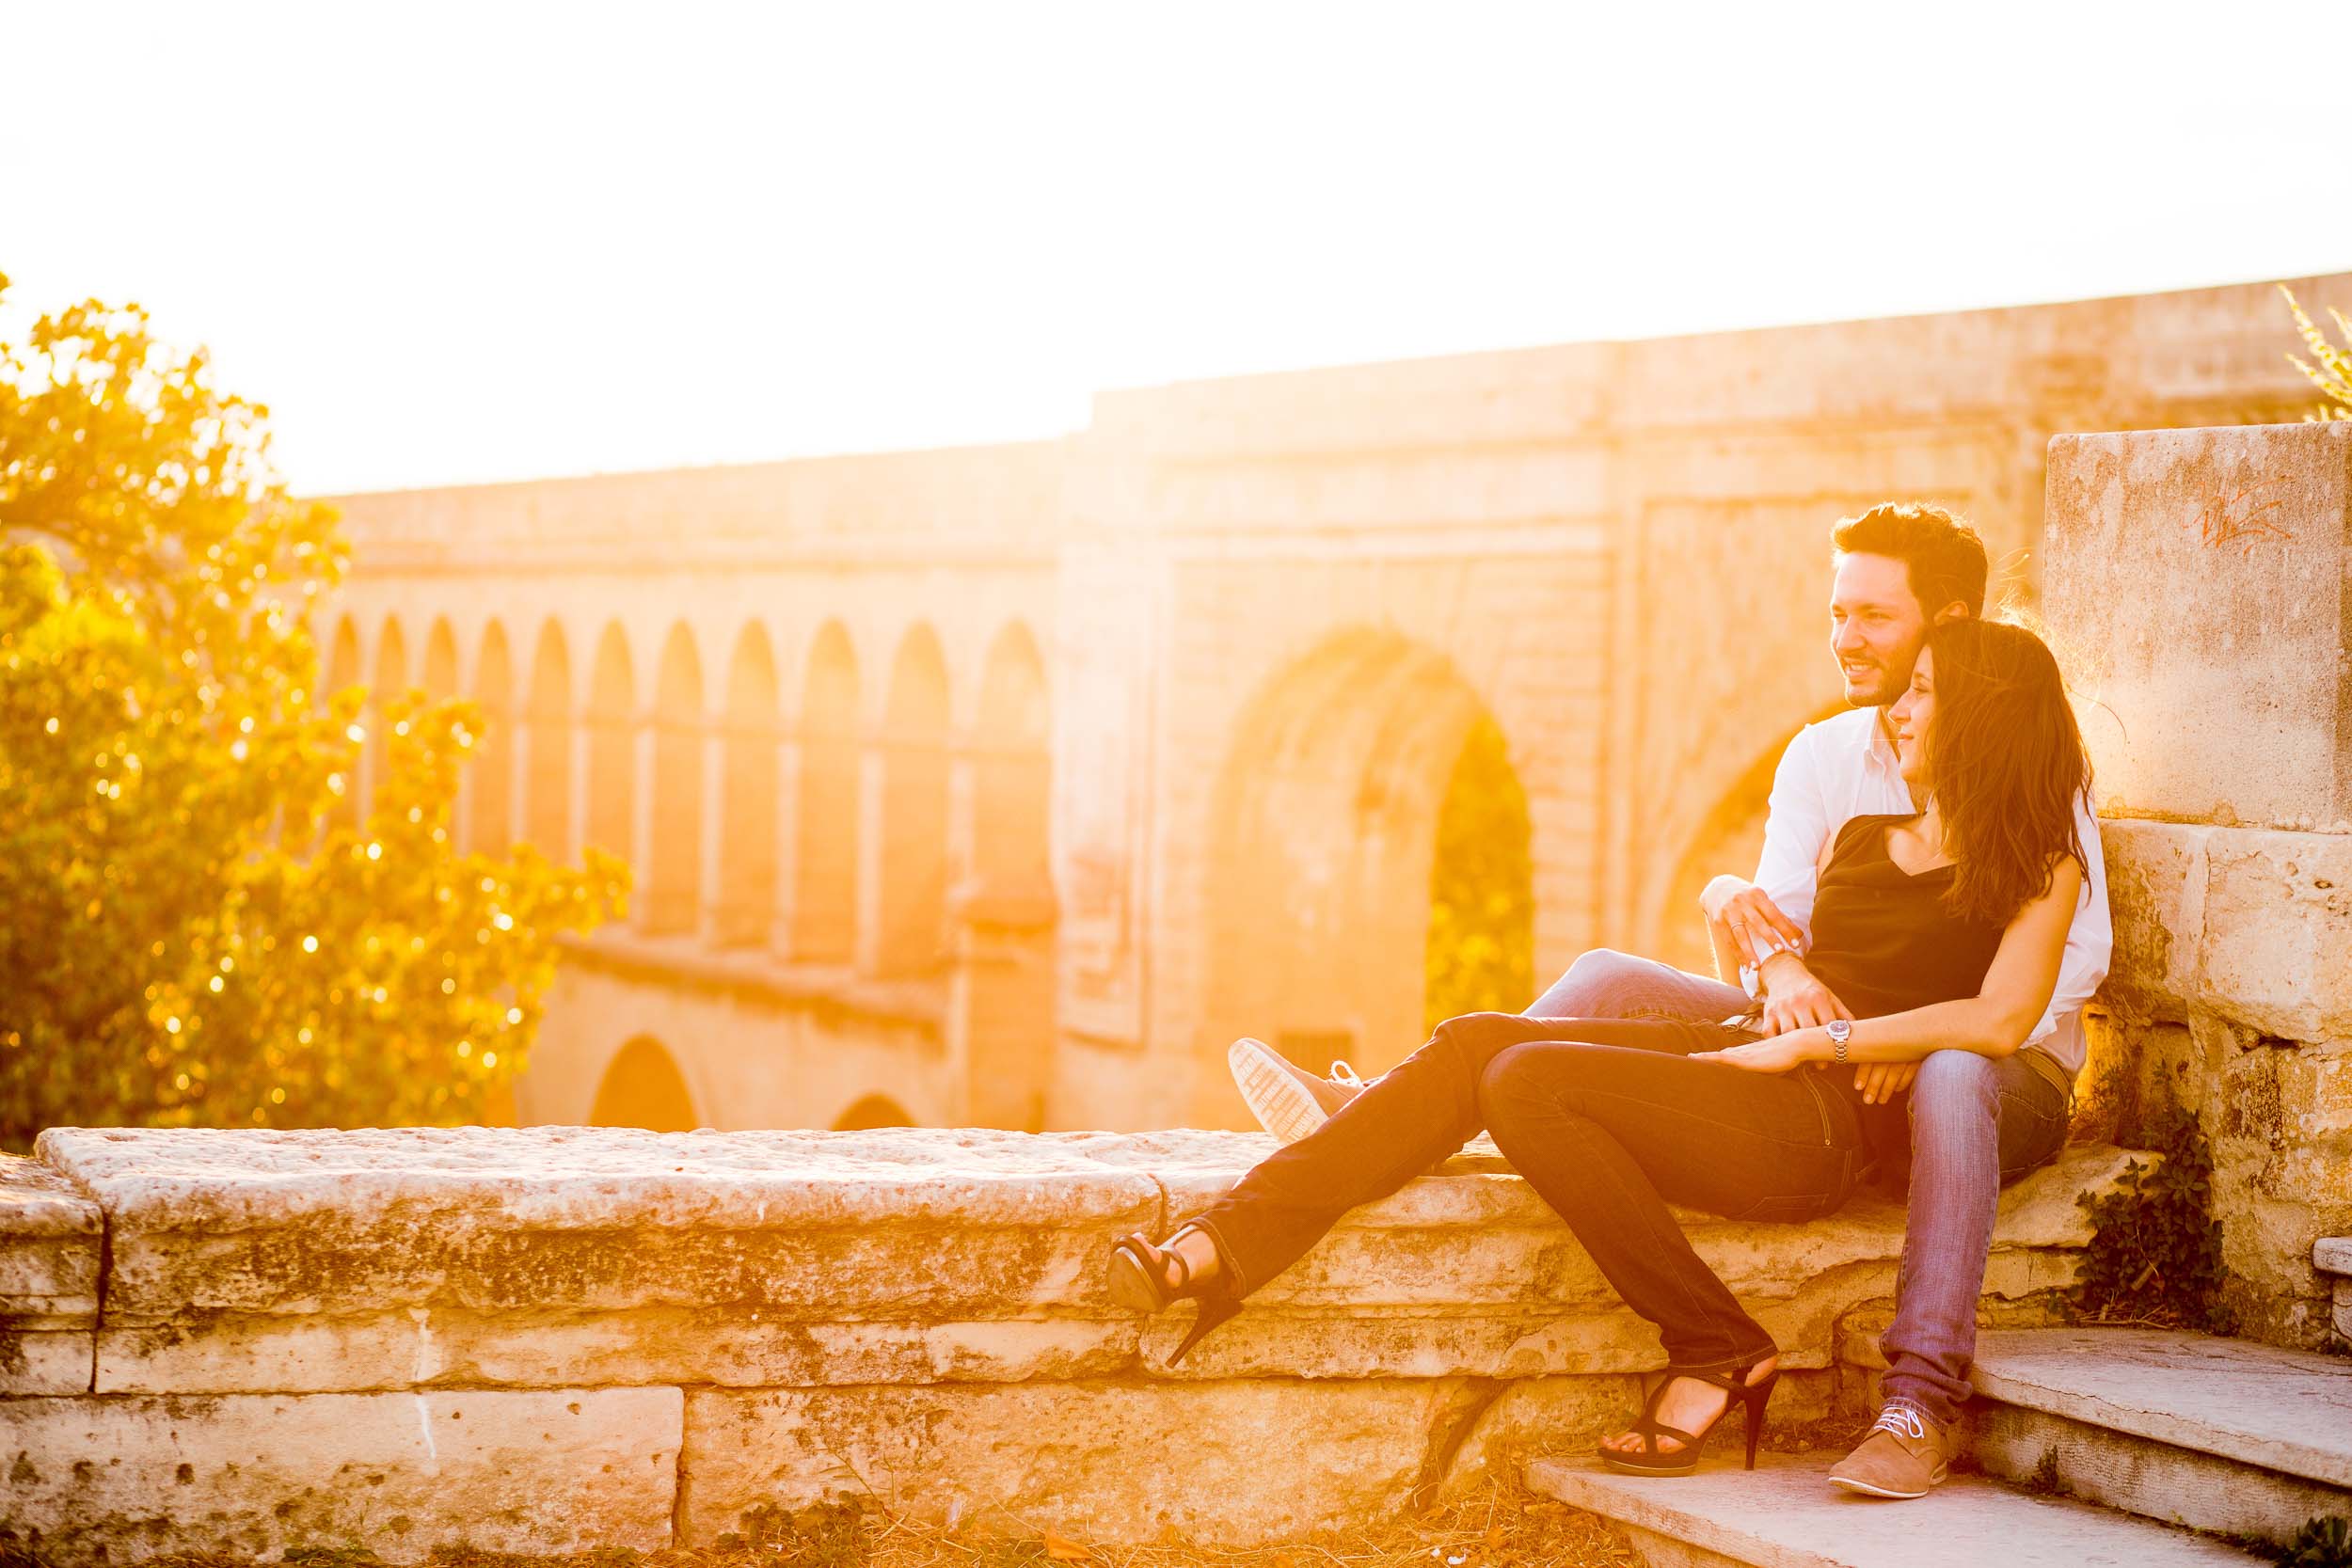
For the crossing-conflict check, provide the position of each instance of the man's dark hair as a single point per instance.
(1943, 556)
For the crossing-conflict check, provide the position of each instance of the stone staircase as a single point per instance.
(2095, 1446)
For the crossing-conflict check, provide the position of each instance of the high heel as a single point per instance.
(1651, 1460)
(1137, 1277)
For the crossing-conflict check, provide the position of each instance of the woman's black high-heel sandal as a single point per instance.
(1138, 1278)
(1651, 1460)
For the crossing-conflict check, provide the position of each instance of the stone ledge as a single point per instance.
(812, 1259)
(1786, 1514)
(2283, 1410)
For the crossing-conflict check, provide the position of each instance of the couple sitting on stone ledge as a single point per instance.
(1927, 921)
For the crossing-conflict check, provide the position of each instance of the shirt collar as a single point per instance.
(1879, 748)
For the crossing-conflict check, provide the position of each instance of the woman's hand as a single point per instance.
(1743, 916)
(1880, 1081)
(1777, 1053)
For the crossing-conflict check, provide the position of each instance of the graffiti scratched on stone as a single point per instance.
(2245, 518)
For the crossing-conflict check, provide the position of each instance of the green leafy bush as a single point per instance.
(2155, 1254)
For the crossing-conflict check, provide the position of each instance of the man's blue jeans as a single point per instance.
(1975, 1123)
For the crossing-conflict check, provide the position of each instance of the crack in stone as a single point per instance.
(1450, 1432)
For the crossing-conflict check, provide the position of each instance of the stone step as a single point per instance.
(2214, 1434)
(1785, 1514)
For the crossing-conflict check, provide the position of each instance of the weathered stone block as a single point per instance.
(1229, 1463)
(51, 1236)
(50, 1233)
(101, 1479)
(2196, 579)
(425, 1346)
(2275, 947)
(2155, 899)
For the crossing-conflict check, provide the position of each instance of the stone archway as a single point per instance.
(1730, 839)
(873, 1110)
(1317, 893)
(642, 1087)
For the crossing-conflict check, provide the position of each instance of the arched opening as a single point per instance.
(547, 798)
(493, 781)
(825, 847)
(642, 1087)
(612, 748)
(342, 674)
(1014, 772)
(747, 825)
(875, 1110)
(912, 906)
(673, 873)
(1318, 893)
(1479, 951)
(440, 661)
(391, 681)
(1730, 839)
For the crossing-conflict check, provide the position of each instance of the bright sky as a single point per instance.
(481, 241)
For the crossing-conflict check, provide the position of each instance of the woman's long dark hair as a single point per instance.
(2006, 764)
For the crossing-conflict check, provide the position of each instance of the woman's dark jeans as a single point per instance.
(1610, 1121)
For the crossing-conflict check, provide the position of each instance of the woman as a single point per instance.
(1940, 930)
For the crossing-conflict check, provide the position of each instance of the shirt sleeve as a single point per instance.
(2090, 939)
(1794, 833)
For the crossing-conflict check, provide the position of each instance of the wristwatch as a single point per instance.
(1840, 1031)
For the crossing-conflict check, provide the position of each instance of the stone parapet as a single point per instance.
(690, 1325)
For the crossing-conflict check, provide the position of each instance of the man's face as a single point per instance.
(1876, 627)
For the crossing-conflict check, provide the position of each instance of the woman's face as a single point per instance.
(1910, 715)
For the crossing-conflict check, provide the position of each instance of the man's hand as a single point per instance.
(1741, 914)
(1880, 1081)
(1793, 999)
(1776, 1055)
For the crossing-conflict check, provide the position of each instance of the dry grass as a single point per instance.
(1500, 1525)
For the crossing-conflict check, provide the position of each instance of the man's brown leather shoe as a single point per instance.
(1903, 1457)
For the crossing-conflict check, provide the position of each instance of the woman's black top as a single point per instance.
(1882, 940)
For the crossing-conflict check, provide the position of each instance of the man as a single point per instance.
(1898, 569)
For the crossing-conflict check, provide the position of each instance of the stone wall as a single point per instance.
(545, 1338)
(2201, 583)
(1264, 611)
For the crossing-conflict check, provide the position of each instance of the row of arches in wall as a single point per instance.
(828, 830)
(642, 1086)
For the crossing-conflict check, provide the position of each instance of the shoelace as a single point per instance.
(1342, 1073)
(1903, 1421)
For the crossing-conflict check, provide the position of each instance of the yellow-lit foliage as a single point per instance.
(1481, 950)
(2332, 374)
(186, 936)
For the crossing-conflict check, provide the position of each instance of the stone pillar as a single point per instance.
(643, 736)
(788, 843)
(712, 885)
(1001, 1027)
(872, 774)
(2198, 586)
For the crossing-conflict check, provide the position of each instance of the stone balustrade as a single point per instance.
(546, 1338)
